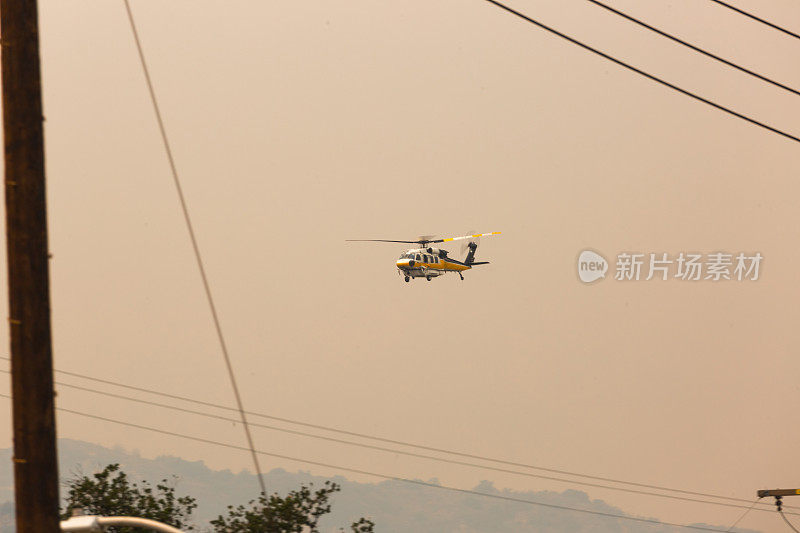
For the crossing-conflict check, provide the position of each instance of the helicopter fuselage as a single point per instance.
(427, 263)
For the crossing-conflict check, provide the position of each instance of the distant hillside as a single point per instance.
(394, 506)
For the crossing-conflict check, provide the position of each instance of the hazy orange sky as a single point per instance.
(296, 125)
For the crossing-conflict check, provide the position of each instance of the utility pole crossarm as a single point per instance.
(778, 492)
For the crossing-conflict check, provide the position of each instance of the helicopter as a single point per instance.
(428, 262)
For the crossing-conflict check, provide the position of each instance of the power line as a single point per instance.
(762, 21)
(381, 439)
(397, 442)
(693, 47)
(744, 514)
(643, 73)
(406, 453)
(382, 476)
(787, 522)
(195, 246)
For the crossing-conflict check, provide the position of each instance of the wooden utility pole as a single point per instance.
(35, 463)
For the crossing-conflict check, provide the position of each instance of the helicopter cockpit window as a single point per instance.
(418, 258)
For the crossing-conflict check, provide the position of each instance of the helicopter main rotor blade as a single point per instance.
(383, 240)
(468, 237)
(423, 242)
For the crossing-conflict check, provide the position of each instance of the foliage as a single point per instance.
(111, 493)
(364, 525)
(299, 511)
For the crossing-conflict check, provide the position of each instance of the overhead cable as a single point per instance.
(757, 19)
(645, 74)
(783, 515)
(198, 257)
(384, 476)
(406, 453)
(745, 514)
(693, 47)
(392, 441)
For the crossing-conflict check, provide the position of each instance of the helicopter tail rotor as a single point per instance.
(472, 246)
(467, 245)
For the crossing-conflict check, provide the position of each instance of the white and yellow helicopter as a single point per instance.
(428, 262)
